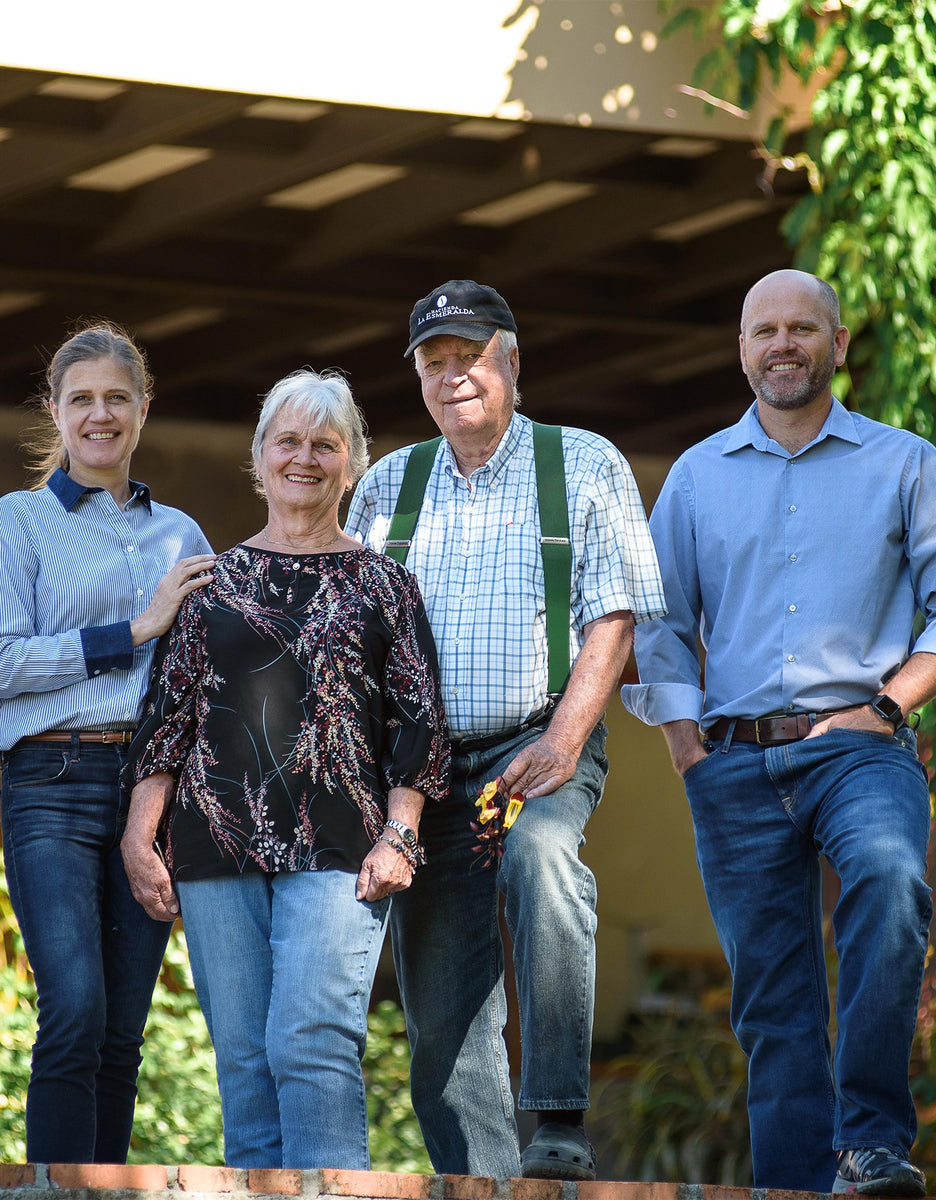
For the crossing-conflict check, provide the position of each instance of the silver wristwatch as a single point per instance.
(407, 835)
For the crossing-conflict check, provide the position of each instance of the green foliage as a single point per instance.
(395, 1140)
(178, 1113)
(17, 1029)
(869, 223)
(674, 1107)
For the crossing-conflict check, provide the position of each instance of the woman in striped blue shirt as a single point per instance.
(93, 573)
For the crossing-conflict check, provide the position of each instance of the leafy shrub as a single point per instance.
(178, 1112)
(395, 1140)
(17, 1030)
(673, 1108)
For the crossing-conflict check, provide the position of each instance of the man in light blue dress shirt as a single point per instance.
(798, 546)
(476, 553)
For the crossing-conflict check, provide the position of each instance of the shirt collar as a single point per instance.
(68, 492)
(504, 452)
(840, 423)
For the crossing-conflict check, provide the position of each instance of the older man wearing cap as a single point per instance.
(476, 550)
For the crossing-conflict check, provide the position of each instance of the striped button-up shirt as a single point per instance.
(476, 554)
(75, 569)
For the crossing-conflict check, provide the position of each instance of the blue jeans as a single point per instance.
(94, 952)
(762, 818)
(450, 962)
(283, 966)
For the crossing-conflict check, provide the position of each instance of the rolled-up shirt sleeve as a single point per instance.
(918, 489)
(666, 648)
(619, 568)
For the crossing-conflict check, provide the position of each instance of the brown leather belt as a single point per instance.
(103, 737)
(769, 731)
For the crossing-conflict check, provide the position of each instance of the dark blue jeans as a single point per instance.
(94, 952)
(762, 818)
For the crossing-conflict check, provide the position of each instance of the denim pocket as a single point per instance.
(696, 765)
(867, 734)
(36, 767)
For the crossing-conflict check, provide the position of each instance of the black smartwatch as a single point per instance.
(887, 709)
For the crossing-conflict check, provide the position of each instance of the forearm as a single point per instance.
(910, 687)
(915, 682)
(149, 802)
(551, 760)
(685, 747)
(595, 678)
(405, 804)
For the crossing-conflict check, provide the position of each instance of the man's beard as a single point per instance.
(785, 398)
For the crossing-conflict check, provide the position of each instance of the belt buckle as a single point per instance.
(757, 737)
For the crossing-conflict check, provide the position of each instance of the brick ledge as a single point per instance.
(32, 1181)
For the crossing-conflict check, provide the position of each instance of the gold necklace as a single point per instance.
(265, 533)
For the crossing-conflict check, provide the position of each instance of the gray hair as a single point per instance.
(317, 399)
(98, 339)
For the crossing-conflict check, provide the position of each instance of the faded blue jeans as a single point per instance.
(94, 952)
(762, 818)
(283, 966)
(450, 963)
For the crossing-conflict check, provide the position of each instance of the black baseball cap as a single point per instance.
(461, 308)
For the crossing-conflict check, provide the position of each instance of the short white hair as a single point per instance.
(317, 399)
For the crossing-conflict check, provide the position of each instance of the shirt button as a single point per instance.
(296, 566)
(792, 608)
(792, 508)
(791, 658)
(454, 691)
(792, 558)
(97, 672)
(129, 549)
(139, 591)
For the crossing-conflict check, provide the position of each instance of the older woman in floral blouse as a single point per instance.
(295, 727)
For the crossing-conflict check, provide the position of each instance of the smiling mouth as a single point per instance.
(785, 366)
(101, 437)
(303, 479)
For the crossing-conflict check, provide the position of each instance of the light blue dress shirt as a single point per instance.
(476, 554)
(75, 569)
(801, 573)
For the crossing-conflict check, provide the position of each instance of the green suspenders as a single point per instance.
(409, 501)
(555, 546)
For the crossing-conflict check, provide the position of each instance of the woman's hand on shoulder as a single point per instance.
(383, 872)
(187, 575)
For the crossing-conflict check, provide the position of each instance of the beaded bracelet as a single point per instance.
(412, 859)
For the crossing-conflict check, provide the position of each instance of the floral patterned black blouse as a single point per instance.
(293, 692)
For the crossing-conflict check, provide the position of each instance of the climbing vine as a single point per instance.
(868, 222)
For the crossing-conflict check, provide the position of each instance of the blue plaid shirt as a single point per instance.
(476, 554)
(77, 568)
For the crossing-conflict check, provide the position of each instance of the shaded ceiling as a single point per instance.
(241, 237)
